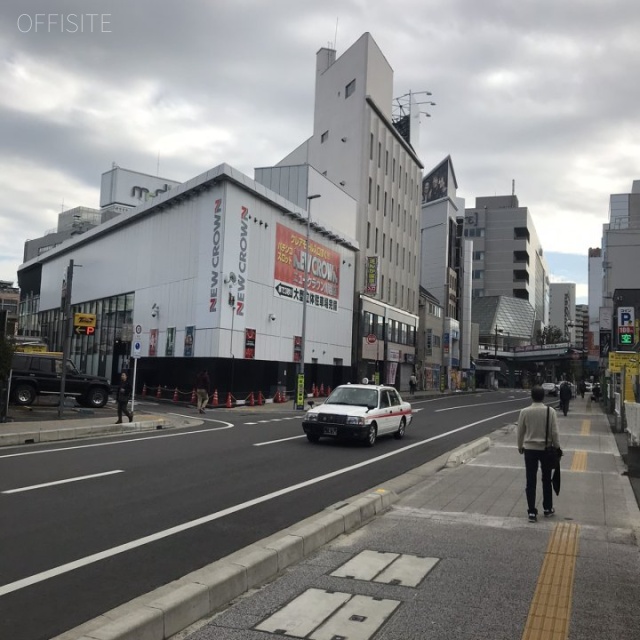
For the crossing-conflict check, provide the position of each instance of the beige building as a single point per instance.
(429, 342)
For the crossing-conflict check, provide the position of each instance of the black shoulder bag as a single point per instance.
(552, 454)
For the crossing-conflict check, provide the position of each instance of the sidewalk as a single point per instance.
(442, 552)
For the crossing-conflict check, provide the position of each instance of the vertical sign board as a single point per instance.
(626, 326)
(371, 285)
(300, 391)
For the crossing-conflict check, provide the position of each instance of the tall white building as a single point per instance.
(357, 145)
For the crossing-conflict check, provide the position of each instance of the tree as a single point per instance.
(550, 335)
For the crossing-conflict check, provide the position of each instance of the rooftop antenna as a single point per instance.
(513, 187)
(335, 40)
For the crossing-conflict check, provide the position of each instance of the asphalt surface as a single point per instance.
(221, 630)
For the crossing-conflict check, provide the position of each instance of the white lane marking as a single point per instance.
(262, 444)
(53, 484)
(483, 404)
(109, 553)
(416, 410)
(251, 423)
(109, 444)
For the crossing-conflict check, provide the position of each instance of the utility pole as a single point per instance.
(67, 323)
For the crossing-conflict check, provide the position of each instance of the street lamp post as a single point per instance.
(300, 390)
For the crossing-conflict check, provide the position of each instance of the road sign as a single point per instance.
(86, 331)
(136, 349)
(138, 329)
(84, 320)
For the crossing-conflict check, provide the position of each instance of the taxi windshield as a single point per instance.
(354, 397)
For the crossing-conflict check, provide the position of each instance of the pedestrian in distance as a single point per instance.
(123, 395)
(565, 397)
(413, 383)
(202, 390)
(582, 387)
(537, 428)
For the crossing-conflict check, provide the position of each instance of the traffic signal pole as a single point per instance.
(67, 321)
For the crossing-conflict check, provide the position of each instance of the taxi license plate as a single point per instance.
(330, 431)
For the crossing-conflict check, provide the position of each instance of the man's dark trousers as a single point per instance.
(531, 459)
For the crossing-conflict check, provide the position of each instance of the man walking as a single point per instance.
(202, 390)
(537, 428)
(565, 397)
(123, 395)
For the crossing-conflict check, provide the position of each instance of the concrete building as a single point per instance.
(562, 308)
(356, 145)
(207, 274)
(595, 304)
(508, 259)
(581, 328)
(9, 303)
(445, 265)
(429, 344)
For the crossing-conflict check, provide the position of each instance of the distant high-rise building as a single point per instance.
(508, 259)
(562, 308)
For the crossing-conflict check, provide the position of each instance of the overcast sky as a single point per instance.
(543, 92)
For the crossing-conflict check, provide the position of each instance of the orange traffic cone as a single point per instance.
(175, 395)
(159, 392)
(328, 391)
(251, 400)
(228, 405)
(214, 399)
(322, 389)
(193, 397)
(260, 398)
(315, 391)
(144, 390)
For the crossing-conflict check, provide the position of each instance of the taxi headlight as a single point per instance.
(357, 420)
(312, 417)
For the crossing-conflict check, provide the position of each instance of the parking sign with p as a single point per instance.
(626, 326)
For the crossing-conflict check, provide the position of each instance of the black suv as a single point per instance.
(35, 374)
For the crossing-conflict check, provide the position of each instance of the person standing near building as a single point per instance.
(202, 389)
(123, 395)
(537, 428)
(413, 383)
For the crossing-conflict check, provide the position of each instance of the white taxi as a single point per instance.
(360, 411)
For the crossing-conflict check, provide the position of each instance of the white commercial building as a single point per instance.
(562, 308)
(207, 274)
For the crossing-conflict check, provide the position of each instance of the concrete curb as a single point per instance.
(81, 431)
(468, 451)
(173, 607)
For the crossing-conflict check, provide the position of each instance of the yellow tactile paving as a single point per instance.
(586, 428)
(579, 462)
(550, 610)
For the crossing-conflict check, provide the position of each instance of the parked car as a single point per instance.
(359, 411)
(35, 374)
(550, 388)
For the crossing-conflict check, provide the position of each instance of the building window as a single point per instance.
(379, 154)
(376, 247)
(393, 172)
(349, 89)
(397, 253)
(477, 274)
(390, 250)
(385, 204)
(370, 189)
(393, 204)
(384, 243)
(368, 234)
(381, 287)
(371, 148)
(403, 254)
(395, 293)
(324, 137)
(386, 163)
(478, 255)
(378, 197)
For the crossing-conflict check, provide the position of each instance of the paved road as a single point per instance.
(149, 509)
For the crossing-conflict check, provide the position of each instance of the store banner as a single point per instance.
(171, 342)
(189, 338)
(250, 344)
(371, 285)
(153, 343)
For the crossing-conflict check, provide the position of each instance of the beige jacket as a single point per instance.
(532, 427)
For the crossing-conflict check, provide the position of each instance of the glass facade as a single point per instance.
(106, 352)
